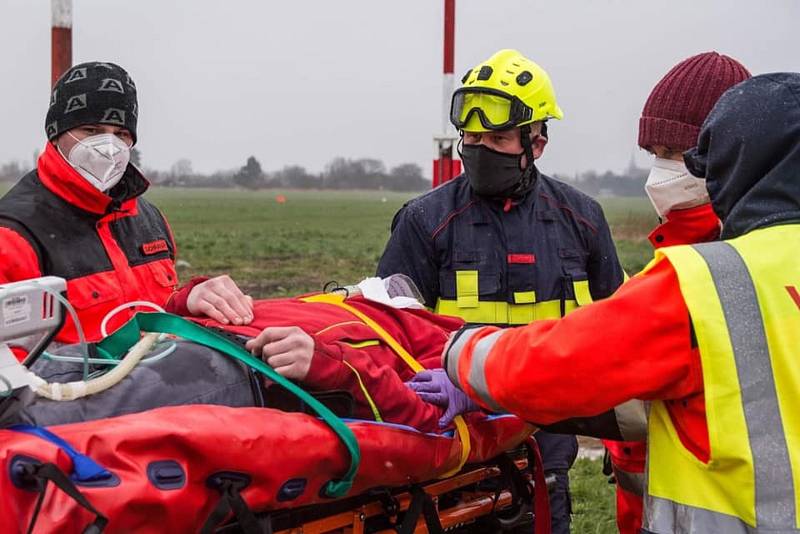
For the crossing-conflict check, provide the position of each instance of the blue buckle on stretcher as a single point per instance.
(85, 471)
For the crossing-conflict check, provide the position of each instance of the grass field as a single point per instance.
(275, 249)
(279, 249)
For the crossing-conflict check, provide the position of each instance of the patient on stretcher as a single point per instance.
(321, 346)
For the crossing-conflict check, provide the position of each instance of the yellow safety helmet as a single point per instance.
(506, 91)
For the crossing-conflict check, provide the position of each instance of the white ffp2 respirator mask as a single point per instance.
(100, 159)
(671, 186)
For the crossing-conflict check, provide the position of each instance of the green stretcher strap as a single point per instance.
(116, 345)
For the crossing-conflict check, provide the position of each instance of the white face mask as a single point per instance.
(101, 159)
(671, 186)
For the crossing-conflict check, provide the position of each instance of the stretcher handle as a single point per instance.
(123, 339)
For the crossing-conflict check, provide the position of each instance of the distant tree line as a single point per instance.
(344, 173)
(12, 171)
(340, 173)
(629, 183)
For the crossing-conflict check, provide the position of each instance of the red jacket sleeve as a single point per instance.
(363, 372)
(177, 301)
(634, 344)
(18, 260)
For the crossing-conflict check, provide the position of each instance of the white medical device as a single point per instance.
(30, 312)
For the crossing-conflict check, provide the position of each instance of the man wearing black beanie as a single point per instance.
(80, 214)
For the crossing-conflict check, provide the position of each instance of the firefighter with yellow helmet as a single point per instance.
(504, 244)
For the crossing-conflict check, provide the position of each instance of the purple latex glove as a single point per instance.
(434, 386)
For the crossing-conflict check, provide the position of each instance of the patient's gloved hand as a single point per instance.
(435, 387)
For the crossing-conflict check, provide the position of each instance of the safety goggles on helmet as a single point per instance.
(495, 109)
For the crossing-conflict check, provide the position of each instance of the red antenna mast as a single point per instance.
(61, 38)
(445, 167)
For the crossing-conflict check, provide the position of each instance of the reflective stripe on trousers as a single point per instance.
(774, 487)
(630, 482)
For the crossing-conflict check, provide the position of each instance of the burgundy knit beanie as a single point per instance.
(680, 102)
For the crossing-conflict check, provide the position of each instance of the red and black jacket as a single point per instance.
(111, 248)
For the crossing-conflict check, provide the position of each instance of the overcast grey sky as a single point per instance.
(301, 82)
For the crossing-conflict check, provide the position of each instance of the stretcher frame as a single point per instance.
(391, 507)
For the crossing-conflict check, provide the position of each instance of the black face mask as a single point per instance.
(492, 173)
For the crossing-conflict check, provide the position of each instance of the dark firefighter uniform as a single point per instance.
(508, 263)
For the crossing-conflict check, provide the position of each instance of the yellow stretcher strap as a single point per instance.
(338, 300)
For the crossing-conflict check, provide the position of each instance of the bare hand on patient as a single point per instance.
(287, 349)
(222, 300)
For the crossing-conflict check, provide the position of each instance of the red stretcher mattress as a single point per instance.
(161, 461)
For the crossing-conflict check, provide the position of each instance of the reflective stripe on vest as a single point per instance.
(523, 310)
(662, 516)
(737, 295)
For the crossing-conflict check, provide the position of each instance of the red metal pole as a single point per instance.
(449, 60)
(61, 38)
(444, 168)
(449, 34)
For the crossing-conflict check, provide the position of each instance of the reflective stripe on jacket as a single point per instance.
(473, 258)
(742, 297)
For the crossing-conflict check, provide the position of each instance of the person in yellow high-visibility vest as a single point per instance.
(669, 125)
(708, 332)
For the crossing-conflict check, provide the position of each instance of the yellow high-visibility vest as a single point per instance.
(743, 299)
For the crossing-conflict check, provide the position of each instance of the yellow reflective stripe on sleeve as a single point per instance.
(498, 312)
(582, 293)
(467, 289)
(375, 413)
(461, 426)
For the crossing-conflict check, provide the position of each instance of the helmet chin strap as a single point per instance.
(529, 174)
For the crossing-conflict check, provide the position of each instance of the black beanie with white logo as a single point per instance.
(92, 93)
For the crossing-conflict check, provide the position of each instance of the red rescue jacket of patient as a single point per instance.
(349, 355)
